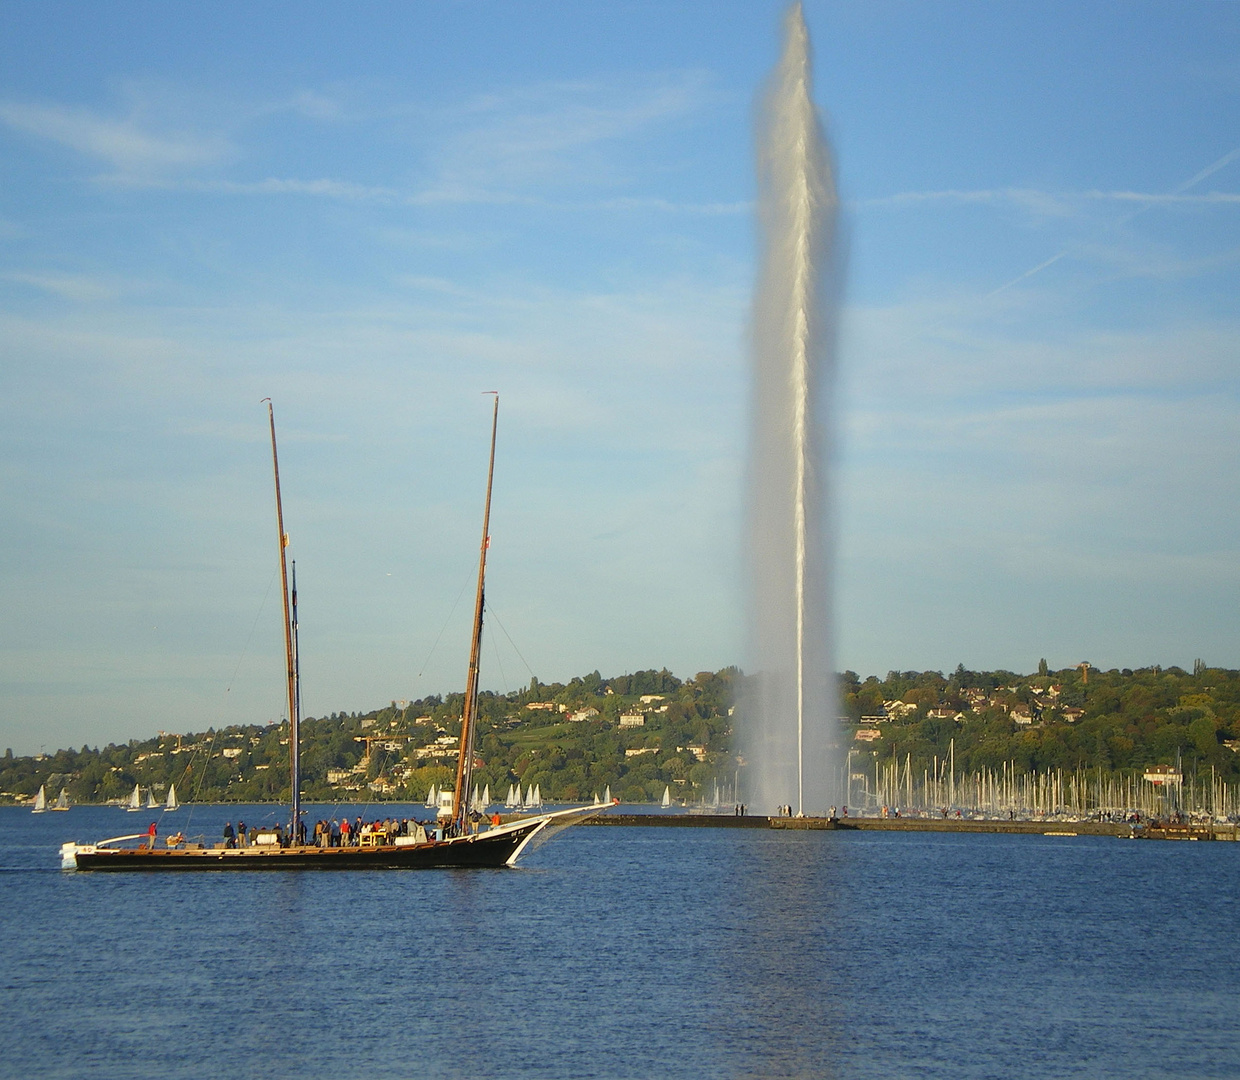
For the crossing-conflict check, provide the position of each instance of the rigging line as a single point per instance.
(498, 662)
(468, 576)
(500, 624)
(250, 638)
(198, 790)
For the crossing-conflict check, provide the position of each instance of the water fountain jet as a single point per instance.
(790, 728)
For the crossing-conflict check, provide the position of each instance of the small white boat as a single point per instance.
(172, 803)
(40, 802)
(607, 795)
(486, 796)
(151, 804)
(62, 803)
(432, 798)
(667, 797)
(135, 799)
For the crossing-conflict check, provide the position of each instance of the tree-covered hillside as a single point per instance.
(640, 733)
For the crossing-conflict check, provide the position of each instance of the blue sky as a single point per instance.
(372, 214)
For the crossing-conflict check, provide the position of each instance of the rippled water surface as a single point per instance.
(629, 952)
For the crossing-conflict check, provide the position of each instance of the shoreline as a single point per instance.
(861, 824)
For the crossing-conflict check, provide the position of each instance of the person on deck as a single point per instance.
(241, 840)
(344, 832)
(229, 835)
(150, 837)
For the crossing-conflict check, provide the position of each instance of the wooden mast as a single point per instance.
(465, 757)
(294, 750)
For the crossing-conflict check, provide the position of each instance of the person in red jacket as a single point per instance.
(150, 836)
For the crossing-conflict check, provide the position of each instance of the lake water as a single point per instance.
(629, 952)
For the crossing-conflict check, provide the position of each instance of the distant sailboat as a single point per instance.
(135, 799)
(486, 796)
(607, 794)
(151, 804)
(667, 796)
(513, 799)
(172, 803)
(40, 802)
(432, 797)
(62, 803)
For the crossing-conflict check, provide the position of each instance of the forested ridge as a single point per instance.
(642, 732)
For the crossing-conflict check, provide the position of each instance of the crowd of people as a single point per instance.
(336, 832)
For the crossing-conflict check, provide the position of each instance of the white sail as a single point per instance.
(538, 795)
(667, 796)
(172, 803)
(596, 799)
(151, 804)
(40, 801)
(511, 801)
(529, 795)
(135, 799)
(486, 796)
(475, 800)
(62, 803)
(607, 794)
(432, 797)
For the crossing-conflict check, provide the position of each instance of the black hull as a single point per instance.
(482, 851)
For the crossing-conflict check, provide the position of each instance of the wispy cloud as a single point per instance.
(122, 144)
(552, 133)
(1046, 203)
(69, 286)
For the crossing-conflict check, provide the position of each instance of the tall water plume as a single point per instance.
(789, 734)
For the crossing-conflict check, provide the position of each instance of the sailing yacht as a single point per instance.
(135, 799)
(62, 802)
(40, 801)
(667, 797)
(172, 803)
(151, 804)
(459, 841)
